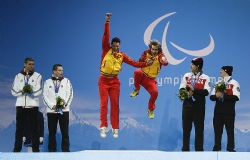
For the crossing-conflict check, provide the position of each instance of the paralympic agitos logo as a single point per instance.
(197, 53)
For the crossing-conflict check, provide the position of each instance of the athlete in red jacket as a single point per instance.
(146, 75)
(109, 84)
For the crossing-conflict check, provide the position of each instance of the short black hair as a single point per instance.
(115, 39)
(55, 66)
(28, 59)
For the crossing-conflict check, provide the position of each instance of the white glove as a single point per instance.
(40, 139)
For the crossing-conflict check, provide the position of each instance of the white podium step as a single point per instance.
(127, 155)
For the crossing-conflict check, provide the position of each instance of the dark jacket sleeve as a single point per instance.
(230, 97)
(202, 92)
(213, 98)
(226, 98)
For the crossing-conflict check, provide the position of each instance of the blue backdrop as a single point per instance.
(70, 33)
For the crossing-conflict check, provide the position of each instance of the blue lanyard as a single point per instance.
(228, 80)
(57, 86)
(193, 80)
(26, 79)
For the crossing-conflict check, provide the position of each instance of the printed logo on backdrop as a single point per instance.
(197, 53)
(172, 60)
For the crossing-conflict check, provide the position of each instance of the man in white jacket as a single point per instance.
(27, 87)
(57, 96)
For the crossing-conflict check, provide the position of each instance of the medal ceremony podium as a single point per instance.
(126, 155)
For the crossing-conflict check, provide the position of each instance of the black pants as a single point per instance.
(193, 114)
(53, 119)
(219, 121)
(26, 124)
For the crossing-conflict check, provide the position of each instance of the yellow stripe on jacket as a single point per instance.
(111, 63)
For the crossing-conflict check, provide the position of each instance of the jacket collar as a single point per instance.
(24, 73)
(198, 74)
(227, 79)
(56, 78)
(149, 52)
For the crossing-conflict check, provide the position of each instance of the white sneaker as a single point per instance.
(115, 133)
(41, 139)
(103, 131)
(24, 139)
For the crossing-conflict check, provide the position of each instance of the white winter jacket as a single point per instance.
(65, 92)
(24, 100)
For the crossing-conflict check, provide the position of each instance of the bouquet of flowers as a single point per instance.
(183, 94)
(27, 89)
(220, 87)
(59, 104)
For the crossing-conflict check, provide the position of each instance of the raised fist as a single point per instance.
(163, 60)
(108, 16)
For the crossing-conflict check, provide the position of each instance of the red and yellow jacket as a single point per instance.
(153, 70)
(111, 64)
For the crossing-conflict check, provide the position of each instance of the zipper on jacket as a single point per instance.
(26, 94)
(113, 67)
(25, 101)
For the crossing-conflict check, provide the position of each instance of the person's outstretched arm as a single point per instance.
(134, 63)
(106, 36)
